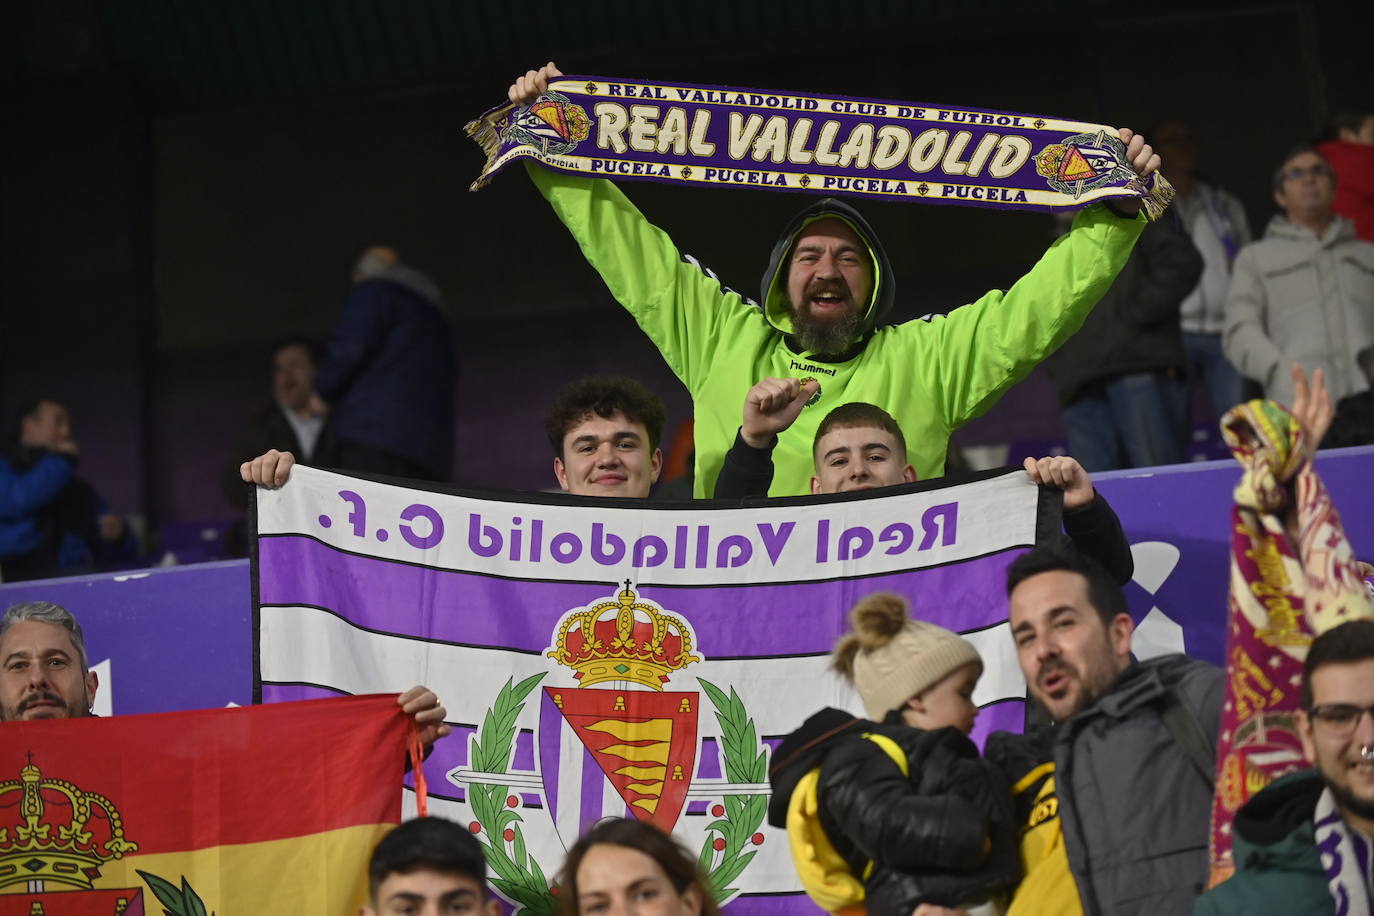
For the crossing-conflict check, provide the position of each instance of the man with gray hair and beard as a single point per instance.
(44, 671)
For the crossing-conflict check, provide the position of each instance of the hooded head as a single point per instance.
(828, 282)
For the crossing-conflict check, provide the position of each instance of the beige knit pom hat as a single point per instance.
(889, 657)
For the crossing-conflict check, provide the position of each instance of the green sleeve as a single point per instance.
(681, 306)
(982, 349)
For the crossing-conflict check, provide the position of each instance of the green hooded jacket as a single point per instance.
(932, 374)
(1278, 869)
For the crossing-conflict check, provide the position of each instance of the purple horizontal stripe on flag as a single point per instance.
(802, 618)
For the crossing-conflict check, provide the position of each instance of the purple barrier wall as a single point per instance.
(160, 639)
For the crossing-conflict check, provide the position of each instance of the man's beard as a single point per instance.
(1347, 801)
(826, 336)
(1093, 682)
(74, 711)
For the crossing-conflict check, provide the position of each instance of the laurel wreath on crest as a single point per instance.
(518, 876)
(742, 815)
(176, 901)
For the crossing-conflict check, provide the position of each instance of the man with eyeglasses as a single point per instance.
(1305, 292)
(1305, 844)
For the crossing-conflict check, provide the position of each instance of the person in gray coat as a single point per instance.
(1305, 292)
(1115, 794)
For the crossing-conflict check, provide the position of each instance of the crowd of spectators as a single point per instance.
(1102, 805)
(1198, 313)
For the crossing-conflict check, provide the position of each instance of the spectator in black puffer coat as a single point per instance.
(940, 833)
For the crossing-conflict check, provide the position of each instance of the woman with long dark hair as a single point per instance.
(625, 867)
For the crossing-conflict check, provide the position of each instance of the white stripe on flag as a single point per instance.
(778, 692)
(570, 758)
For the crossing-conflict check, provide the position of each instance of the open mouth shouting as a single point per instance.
(828, 298)
(1055, 679)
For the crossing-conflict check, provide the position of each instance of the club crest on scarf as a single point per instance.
(552, 123)
(612, 740)
(1084, 162)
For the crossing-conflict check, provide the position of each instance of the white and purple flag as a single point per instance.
(603, 657)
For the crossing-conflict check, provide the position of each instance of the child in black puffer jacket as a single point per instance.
(913, 813)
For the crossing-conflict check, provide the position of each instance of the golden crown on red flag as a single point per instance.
(86, 832)
(627, 639)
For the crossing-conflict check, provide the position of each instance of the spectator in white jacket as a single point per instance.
(1305, 292)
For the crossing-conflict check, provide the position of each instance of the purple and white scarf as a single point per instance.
(817, 144)
(1347, 858)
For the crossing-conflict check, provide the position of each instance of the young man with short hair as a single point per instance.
(1115, 796)
(857, 446)
(426, 867)
(1302, 845)
(605, 432)
(860, 447)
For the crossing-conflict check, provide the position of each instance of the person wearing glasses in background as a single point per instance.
(1304, 843)
(1305, 292)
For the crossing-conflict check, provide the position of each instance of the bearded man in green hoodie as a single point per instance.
(828, 286)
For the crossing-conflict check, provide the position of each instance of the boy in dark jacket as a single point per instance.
(902, 796)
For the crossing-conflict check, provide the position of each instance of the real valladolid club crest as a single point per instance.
(612, 739)
(52, 852)
(552, 123)
(1086, 162)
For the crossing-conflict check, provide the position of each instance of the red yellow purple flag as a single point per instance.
(263, 809)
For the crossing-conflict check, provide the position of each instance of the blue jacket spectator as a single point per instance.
(388, 374)
(52, 522)
(24, 491)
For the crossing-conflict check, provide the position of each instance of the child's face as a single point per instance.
(948, 703)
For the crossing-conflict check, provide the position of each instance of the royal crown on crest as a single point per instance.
(87, 832)
(627, 639)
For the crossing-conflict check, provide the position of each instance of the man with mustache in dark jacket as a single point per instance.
(1115, 796)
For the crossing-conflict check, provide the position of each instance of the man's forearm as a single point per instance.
(747, 471)
(1096, 531)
